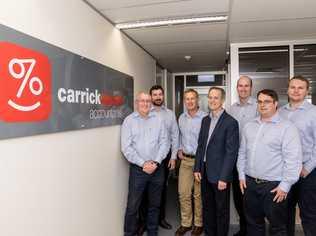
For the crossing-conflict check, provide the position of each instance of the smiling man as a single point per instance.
(215, 160)
(244, 110)
(303, 115)
(144, 143)
(269, 162)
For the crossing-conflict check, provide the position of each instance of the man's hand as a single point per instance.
(304, 173)
(242, 186)
(172, 164)
(221, 185)
(180, 154)
(197, 176)
(149, 167)
(280, 195)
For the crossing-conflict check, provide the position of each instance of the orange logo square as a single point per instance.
(25, 84)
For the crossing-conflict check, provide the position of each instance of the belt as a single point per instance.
(257, 180)
(189, 155)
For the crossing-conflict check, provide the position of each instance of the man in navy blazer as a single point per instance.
(215, 159)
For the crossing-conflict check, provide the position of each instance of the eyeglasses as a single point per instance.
(264, 102)
(144, 101)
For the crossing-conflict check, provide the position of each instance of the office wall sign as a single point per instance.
(45, 89)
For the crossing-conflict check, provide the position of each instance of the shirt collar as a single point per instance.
(151, 114)
(199, 113)
(276, 118)
(153, 108)
(303, 106)
(218, 115)
(250, 101)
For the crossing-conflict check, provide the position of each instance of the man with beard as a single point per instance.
(244, 110)
(169, 118)
(303, 115)
(144, 143)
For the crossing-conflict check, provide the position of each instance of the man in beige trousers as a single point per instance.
(189, 124)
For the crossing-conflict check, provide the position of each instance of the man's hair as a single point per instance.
(269, 92)
(223, 93)
(301, 78)
(247, 77)
(156, 87)
(190, 90)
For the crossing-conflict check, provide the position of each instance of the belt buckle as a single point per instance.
(259, 181)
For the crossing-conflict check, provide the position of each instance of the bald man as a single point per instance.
(244, 110)
(144, 143)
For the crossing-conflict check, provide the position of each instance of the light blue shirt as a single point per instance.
(244, 113)
(304, 118)
(144, 139)
(170, 120)
(189, 131)
(270, 151)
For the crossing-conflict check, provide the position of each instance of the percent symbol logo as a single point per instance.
(24, 74)
(25, 84)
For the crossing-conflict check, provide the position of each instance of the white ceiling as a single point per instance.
(249, 20)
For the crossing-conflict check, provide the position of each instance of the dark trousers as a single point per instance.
(239, 202)
(258, 202)
(303, 193)
(215, 208)
(139, 181)
(144, 205)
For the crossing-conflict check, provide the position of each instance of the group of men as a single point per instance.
(267, 154)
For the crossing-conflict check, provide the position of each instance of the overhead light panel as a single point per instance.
(180, 21)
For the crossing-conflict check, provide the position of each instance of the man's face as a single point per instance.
(157, 97)
(297, 90)
(266, 106)
(215, 101)
(244, 88)
(190, 101)
(143, 104)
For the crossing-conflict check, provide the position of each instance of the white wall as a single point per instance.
(70, 183)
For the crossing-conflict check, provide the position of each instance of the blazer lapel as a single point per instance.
(219, 122)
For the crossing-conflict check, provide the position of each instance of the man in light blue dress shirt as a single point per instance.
(244, 110)
(144, 143)
(168, 116)
(189, 124)
(303, 115)
(269, 163)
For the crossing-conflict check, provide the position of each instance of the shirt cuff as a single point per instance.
(140, 162)
(285, 186)
(309, 166)
(242, 176)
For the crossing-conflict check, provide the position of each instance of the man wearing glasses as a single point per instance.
(269, 163)
(144, 143)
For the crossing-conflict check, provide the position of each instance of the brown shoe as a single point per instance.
(197, 231)
(182, 230)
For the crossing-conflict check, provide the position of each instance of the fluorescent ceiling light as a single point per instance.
(141, 24)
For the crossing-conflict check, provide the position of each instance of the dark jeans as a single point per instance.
(215, 208)
(239, 202)
(139, 181)
(259, 204)
(303, 193)
(144, 205)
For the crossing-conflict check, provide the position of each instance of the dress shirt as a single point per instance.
(214, 120)
(244, 113)
(304, 118)
(144, 139)
(189, 131)
(170, 120)
(270, 151)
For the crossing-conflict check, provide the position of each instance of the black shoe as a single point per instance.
(164, 224)
(141, 229)
(240, 233)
